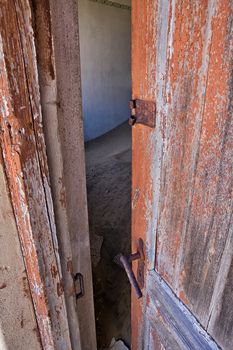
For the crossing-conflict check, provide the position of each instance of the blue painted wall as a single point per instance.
(105, 46)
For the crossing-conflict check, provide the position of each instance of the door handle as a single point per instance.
(126, 263)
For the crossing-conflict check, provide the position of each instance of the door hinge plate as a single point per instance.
(143, 112)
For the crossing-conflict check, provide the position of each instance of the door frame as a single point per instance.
(57, 31)
(24, 160)
(41, 162)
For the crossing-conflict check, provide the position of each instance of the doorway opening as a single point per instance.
(105, 49)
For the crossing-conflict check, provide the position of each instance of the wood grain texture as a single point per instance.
(184, 167)
(57, 39)
(70, 123)
(19, 329)
(195, 195)
(24, 158)
(172, 321)
(49, 102)
(143, 81)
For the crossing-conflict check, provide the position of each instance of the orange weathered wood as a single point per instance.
(143, 87)
(23, 150)
(184, 166)
(185, 77)
(196, 199)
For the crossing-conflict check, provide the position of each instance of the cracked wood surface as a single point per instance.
(182, 204)
(57, 45)
(24, 159)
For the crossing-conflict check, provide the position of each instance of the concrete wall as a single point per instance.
(105, 34)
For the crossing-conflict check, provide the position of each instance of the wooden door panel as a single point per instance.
(57, 32)
(220, 325)
(170, 321)
(182, 170)
(19, 329)
(195, 196)
(25, 164)
(183, 100)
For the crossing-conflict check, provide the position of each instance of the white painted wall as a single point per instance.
(105, 44)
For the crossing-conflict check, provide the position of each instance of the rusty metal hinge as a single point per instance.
(143, 112)
(126, 263)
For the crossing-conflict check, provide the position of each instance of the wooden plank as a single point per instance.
(48, 91)
(185, 76)
(26, 172)
(195, 194)
(66, 39)
(19, 329)
(143, 87)
(212, 202)
(190, 179)
(57, 43)
(220, 324)
(174, 324)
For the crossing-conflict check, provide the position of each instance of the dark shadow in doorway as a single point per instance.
(108, 168)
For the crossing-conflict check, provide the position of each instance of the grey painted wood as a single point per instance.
(65, 31)
(57, 43)
(170, 319)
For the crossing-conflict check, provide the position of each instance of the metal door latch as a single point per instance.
(79, 285)
(126, 263)
(143, 112)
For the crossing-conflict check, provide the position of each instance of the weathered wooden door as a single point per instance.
(182, 174)
(43, 179)
(25, 171)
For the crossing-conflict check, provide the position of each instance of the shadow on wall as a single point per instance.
(105, 45)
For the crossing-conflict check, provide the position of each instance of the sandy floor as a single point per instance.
(108, 167)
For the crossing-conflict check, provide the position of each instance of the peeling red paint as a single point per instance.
(26, 290)
(69, 266)
(183, 297)
(24, 157)
(59, 289)
(182, 58)
(143, 65)
(54, 271)
(42, 28)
